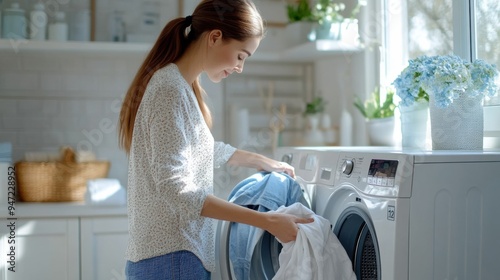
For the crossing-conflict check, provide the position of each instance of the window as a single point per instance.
(430, 28)
(487, 35)
(415, 27)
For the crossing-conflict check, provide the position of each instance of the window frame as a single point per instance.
(394, 55)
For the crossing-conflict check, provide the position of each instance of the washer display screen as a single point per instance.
(382, 172)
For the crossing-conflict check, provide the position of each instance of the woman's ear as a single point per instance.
(214, 37)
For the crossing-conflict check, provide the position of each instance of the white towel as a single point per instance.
(105, 191)
(316, 254)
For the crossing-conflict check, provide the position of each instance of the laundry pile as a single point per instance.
(316, 254)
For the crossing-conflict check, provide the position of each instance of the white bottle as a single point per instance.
(79, 29)
(58, 30)
(328, 132)
(14, 22)
(345, 128)
(38, 22)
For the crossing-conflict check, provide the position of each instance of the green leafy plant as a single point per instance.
(317, 105)
(373, 108)
(300, 11)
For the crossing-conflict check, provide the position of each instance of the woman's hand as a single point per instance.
(284, 226)
(277, 166)
(260, 162)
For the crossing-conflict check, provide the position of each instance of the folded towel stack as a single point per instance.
(105, 191)
(6, 152)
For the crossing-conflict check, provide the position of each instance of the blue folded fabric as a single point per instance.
(5, 152)
(262, 192)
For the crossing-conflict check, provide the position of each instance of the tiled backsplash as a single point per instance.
(55, 100)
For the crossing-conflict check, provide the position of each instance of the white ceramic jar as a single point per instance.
(38, 22)
(58, 30)
(14, 22)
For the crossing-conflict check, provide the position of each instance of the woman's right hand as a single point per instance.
(284, 226)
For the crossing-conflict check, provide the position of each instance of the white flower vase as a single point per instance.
(298, 32)
(458, 126)
(350, 31)
(414, 125)
(313, 134)
(381, 131)
(327, 31)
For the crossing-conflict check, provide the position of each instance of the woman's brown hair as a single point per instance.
(237, 19)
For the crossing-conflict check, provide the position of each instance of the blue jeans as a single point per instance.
(180, 265)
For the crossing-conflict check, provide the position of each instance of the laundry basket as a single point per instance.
(58, 181)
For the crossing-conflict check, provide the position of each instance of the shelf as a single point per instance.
(308, 52)
(46, 47)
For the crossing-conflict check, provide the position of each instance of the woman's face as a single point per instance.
(227, 56)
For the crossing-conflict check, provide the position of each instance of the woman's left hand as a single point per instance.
(278, 166)
(260, 162)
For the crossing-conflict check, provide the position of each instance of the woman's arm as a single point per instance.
(282, 226)
(260, 162)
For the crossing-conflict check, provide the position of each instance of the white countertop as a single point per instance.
(60, 210)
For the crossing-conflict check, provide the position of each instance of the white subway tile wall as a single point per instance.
(60, 99)
(57, 99)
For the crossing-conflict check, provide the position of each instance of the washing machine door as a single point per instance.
(356, 233)
(265, 256)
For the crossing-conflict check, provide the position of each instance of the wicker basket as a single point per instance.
(59, 181)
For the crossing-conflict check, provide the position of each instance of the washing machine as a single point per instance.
(403, 214)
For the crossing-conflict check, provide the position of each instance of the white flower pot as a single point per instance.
(327, 31)
(298, 32)
(350, 31)
(414, 125)
(381, 131)
(458, 126)
(313, 135)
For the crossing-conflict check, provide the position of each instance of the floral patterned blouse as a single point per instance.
(170, 174)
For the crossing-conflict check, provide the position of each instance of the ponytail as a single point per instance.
(170, 45)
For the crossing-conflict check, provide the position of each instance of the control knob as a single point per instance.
(287, 158)
(347, 167)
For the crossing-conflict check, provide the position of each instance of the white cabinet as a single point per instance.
(64, 241)
(103, 243)
(41, 249)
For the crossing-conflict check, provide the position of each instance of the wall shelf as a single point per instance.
(307, 52)
(47, 47)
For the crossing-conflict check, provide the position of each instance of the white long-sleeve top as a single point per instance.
(170, 174)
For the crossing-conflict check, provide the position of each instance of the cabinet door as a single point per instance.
(39, 249)
(103, 245)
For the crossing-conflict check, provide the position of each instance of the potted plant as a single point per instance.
(299, 11)
(312, 113)
(328, 16)
(316, 106)
(379, 116)
(455, 89)
(300, 22)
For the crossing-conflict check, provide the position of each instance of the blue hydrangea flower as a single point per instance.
(445, 77)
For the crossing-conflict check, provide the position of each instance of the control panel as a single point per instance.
(372, 173)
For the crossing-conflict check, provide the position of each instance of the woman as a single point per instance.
(164, 128)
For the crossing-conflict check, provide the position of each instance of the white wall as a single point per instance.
(54, 100)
